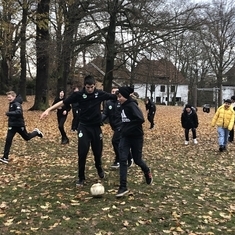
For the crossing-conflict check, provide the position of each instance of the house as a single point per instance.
(160, 80)
(97, 69)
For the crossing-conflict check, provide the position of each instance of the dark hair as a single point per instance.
(89, 80)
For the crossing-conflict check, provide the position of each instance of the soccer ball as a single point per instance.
(97, 190)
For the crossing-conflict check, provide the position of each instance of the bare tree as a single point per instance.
(218, 37)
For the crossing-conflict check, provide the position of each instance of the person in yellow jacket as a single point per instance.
(224, 120)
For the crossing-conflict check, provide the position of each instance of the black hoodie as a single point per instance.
(15, 113)
(132, 119)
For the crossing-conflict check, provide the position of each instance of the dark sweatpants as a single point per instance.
(89, 136)
(10, 135)
(151, 118)
(135, 145)
(61, 120)
(115, 142)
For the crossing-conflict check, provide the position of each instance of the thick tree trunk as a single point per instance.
(110, 47)
(4, 83)
(42, 42)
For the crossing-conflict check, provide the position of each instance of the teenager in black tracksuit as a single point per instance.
(151, 110)
(89, 130)
(189, 120)
(16, 124)
(62, 113)
(112, 111)
(131, 138)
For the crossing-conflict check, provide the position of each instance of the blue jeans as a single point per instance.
(223, 134)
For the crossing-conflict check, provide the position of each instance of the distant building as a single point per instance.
(157, 79)
(161, 81)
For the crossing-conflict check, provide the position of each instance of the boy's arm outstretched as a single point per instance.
(55, 106)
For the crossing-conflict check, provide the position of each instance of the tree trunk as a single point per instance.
(42, 42)
(22, 85)
(110, 48)
(4, 85)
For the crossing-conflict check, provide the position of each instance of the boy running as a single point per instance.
(16, 124)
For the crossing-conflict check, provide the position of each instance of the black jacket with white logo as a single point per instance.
(89, 104)
(15, 113)
(112, 111)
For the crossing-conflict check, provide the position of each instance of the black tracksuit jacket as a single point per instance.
(112, 111)
(89, 105)
(15, 113)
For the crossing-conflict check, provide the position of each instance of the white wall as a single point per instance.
(182, 92)
(227, 92)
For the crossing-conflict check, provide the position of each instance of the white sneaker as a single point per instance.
(40, 134)
(195, 141)
(186, 142)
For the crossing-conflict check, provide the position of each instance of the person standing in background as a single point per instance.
(62, 113)
(189, 120)
(151, 110)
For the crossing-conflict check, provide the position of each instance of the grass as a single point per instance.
(193, 190)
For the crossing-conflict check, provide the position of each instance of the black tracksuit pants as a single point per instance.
(10, 135)
(75, 120)
(115, 142)
(151, 118)
(61, 120)
(135, 145)
(89, 136)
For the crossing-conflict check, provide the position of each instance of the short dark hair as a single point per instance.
(89, 80)
(12, 93)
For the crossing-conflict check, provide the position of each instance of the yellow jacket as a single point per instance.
(224, 118)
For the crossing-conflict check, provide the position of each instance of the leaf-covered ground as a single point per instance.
(193, 190)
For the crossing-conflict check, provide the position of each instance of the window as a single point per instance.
(158, 99)
(172, 88)
(162, 88)
(177, 99)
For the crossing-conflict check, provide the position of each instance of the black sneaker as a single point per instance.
(80, 183)
(115, 165)
(130, 162)
(122, 192)
(148, 177)
(101, 173)
(4, 160)
(221, 148)
(40, 134)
